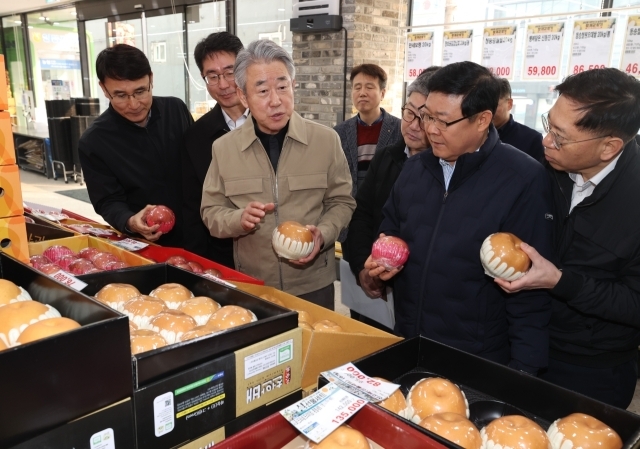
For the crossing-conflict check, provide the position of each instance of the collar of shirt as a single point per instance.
(580, 183)
(229, 121)
(406, 151)
(447, 170)
(146, 122)
(264, 137)
(378, 120)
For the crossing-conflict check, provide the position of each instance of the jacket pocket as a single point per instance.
(307, 182)
(239, 187)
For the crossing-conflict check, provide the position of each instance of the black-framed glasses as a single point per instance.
(558, 140)
(213, 78)
(139, 94)
(440, 124)
(409, 116)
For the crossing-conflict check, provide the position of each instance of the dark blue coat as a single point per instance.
(442, 293)
(523, 138)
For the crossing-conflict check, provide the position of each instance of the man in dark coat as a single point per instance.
(130, 155)
(594, 162)
(446, 201)
(215, 56)
(515, 134)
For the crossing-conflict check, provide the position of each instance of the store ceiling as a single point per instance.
(8, 7)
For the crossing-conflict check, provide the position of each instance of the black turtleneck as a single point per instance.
(272, 143)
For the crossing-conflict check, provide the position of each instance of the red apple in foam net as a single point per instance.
(102, 259)
(81, 266)
(115, 265)
(38, 260)
(184, 266)
(173, 260)
(88, 252)
(195, 267)
(55, 252)
(390, 252)
(48, 268)
(213, 272)
(162, 216)
(65, 261)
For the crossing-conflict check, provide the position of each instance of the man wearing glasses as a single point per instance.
(130, 155)
(446, 201)
(215, 56)
(594, 162)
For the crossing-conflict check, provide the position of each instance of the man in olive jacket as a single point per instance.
(278, 167)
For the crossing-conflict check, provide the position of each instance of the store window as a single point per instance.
(55, 57)
(165, 51)
(202, 20)
(15, 58)
(265, 19)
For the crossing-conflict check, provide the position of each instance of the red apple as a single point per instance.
(49, 268)
(55, 252)
(184, 266)
(213, 272)
(390, 252)
(195, 267)
(38, 260)
(81, 266)
(88, 252)
(163, 216)
(174, 260)
(102, 259)
(115, 265)
(65, 261)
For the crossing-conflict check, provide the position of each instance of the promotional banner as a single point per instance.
(631, 56)
(498, 50)
(591, 46)
(543, 51)
(456, 46)
(419, 54)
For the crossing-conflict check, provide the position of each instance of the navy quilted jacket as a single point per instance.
(442, 293)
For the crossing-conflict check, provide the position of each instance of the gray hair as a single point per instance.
(420, 83)
(260, 51)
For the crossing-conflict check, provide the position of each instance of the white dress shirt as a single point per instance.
(233, 125)
(582, 189)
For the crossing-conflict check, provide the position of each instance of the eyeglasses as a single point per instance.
(409, 116)
(440, 124)
(557, 140)
(139, 94)
(212, 78)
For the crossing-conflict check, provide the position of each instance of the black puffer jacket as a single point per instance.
(442, 292)
(596, 305)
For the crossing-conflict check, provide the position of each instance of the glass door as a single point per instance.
(166, 53)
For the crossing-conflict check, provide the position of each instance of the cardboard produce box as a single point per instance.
(493, 390)
(108, 428)
(7, 148)
(154, 365)
(76, 243)
(13, 238)
(50, 382)
(188, 404)
(383, 429)
(160, 254)
(10, 193)
(323, 350)
(39, 233)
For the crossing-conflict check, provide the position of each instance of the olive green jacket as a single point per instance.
(312, 186)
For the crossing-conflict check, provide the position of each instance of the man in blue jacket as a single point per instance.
(446, 201)
(594, 163)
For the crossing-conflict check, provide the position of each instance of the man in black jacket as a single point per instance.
(594, 162)
(130, 155)
(446, 201)
(515, 134)
(215, 56)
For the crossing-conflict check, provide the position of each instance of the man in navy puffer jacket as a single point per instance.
(446, 201)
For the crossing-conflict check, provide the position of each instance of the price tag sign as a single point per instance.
(70, 281)
(419, 54)
(351, 379)
(630, 62)
(498, 49)
(591, 46)
(318, 415)
(130, 244)
(543, 51)
(456, 46)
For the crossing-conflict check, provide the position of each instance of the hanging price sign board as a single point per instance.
(591, 46)
(630, 62)
(543, 51)
(419, 54)
(498, 50)
(456, 46)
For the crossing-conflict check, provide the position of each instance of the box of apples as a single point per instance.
(80, 255)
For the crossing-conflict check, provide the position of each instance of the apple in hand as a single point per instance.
(163, 216)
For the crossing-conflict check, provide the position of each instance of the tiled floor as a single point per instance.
(37, 188)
